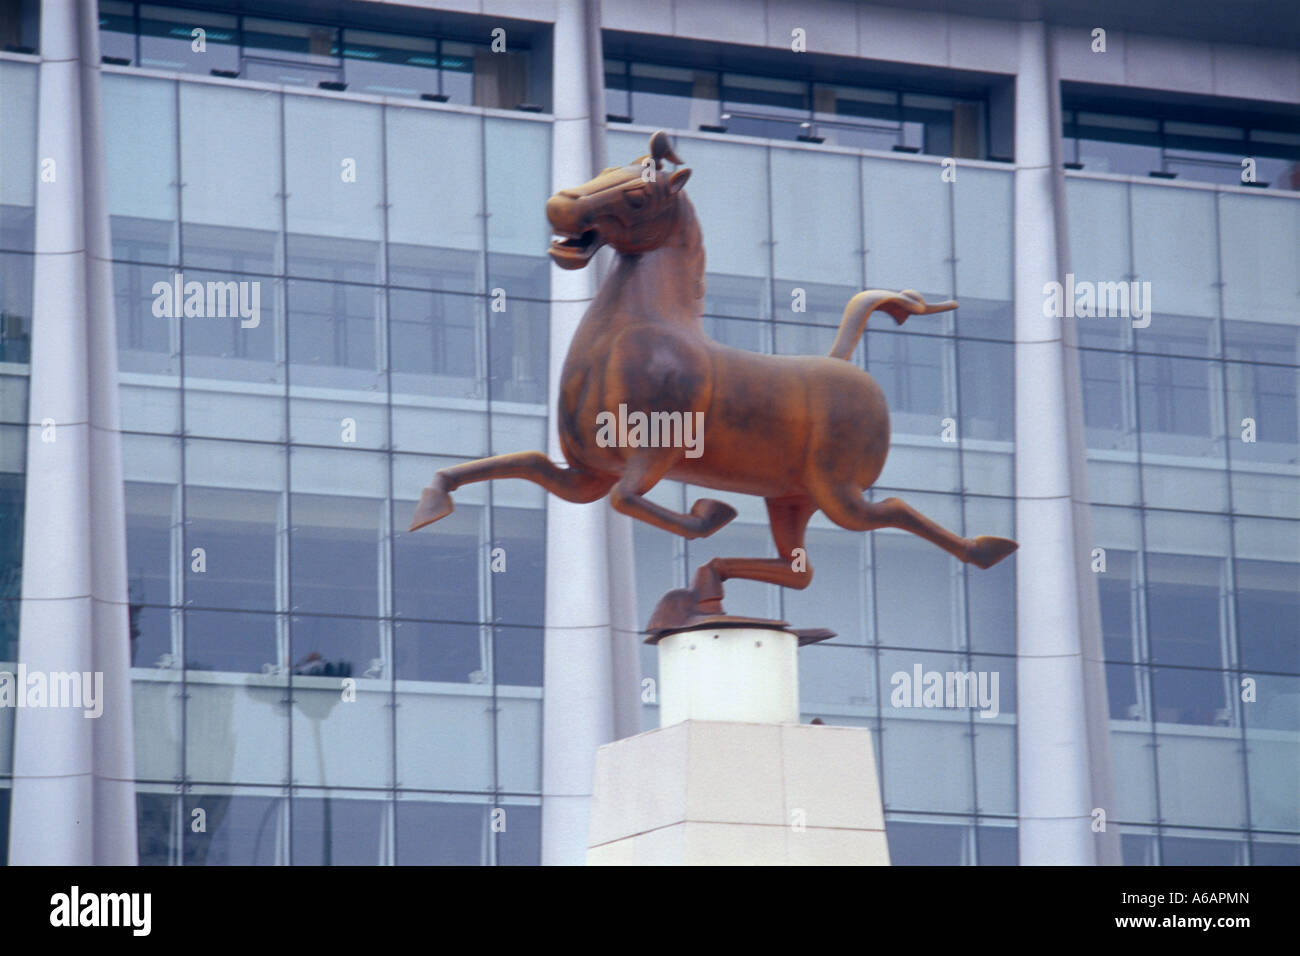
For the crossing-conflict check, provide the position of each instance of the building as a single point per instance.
(365, 181)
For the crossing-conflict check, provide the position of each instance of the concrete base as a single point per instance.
(726, 794)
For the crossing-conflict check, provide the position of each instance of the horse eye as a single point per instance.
(635, 197)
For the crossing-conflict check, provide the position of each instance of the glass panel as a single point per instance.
(117, 34)
(156, 814)
(918, 586)
(234, 533)
(1273, 752)
(334, 336)
(1182, 437)
(982, 205)
(18, 177)
(334, 554)
(16, 276)
(995, 761)
(838, 561)
(1268, 606)
(437, 574)
(520, 843)
(1184, 606)
(819, 237)
(230, 167)
(435, 224)
(926, 756)
(333, 831)
(189, 40)
(140, 155)
(241, 830)
(334, 178)
(442, 834)
(236, 731)
(302, 42)
(673, 98)
(517, 655)
(516, 192)
(998, 846)
(1209, 850)
(1133, 755)
(519, 588)
(908, 220)
(927, 844)
(1202, 778)
(336, 742)
(1259, 241)
(990, 592)
(1100, 249)
(519, 350)
(1174, 251)
(233, 643)
(444, 739)
(389, 64)
(838, 684)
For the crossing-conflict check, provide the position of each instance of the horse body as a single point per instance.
(802, 432)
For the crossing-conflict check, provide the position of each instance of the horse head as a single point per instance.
(632, 208)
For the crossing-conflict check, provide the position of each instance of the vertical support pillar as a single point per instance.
(577, 693)
(73, 776)
(1062, 742)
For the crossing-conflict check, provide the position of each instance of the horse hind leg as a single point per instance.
(576, 484)
(846, 507)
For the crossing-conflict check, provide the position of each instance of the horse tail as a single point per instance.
(898, 304)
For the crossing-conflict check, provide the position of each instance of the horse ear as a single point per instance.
(661, 148)
(678, 179)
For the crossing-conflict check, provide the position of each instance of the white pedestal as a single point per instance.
(729, 673)
(733, 778)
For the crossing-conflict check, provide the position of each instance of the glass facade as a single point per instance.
(1194, 470)
(775, 107)
(373, 305)
(292, 52)
(272, 467)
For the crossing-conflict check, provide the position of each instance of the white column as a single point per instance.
(577, 702)
(1055, 790)
(73, 776)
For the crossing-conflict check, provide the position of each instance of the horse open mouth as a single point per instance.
(573, 251)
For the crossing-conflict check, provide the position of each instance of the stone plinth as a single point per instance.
(721, 793)
(732, 777)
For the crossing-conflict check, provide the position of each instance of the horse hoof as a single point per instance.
(675, 609)
(712, 515)
(987, 550)
(434, 504)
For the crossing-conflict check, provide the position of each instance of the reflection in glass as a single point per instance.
(241, 830)
(337, 831)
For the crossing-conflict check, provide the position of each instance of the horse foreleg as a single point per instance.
(575, 484)
(641, 473)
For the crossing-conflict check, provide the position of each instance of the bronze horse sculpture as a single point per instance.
(803, 432)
